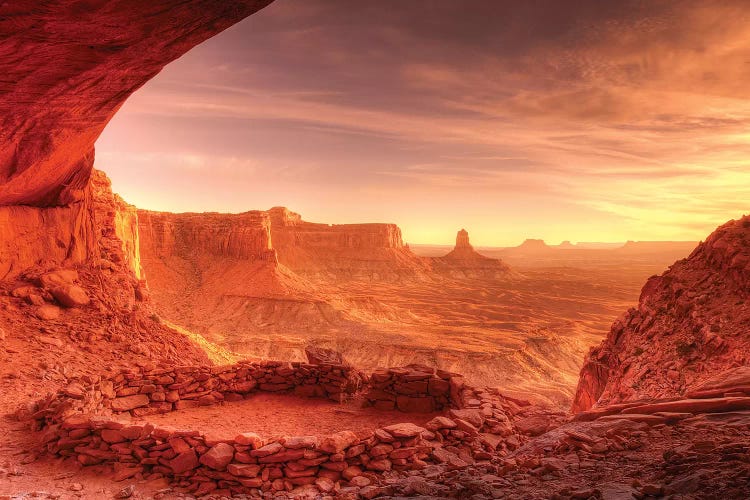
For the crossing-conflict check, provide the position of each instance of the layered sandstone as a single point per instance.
(689, 327)
(237, 236)
(51, 114)
(372, 251)
(99, 226)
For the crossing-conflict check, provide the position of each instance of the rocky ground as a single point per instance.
(683, 452)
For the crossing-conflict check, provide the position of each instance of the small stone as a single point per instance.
(405, 430)
(267, 450)
(126, 492)
(243, 470)
(324, 484)
(336, 443)
(76, 487)
(184, 462)
(250, 439)
(351, 472)
(219, 456)
(438, 423)
(130, 402)
(534, 425)
(360, 481)
(74, 390)
(297, 442)
(48, 312)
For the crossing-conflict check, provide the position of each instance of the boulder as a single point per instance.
(57, 278)
(70, 295)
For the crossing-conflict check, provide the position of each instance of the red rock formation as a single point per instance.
(117, 226)
(465, 262)
(345, 250)
(462, 239)
(690, 326)
(99, 226)
(103, 50)
(240, 236)
(31, 236)
(533, 246)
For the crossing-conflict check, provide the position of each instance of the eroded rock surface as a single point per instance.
(690, 326)
(52, 113)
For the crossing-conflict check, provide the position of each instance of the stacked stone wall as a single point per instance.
(91, 422)
(415, 389)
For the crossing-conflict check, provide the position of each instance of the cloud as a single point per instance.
(636, 111)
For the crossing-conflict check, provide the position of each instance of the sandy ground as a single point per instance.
(276, 415)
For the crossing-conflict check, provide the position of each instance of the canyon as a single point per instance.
(124, 332)
(266, 284)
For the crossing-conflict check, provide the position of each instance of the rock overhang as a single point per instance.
(68, 66)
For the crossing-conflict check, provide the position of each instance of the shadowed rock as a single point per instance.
(104, 50)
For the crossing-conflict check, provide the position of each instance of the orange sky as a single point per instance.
(584, 120)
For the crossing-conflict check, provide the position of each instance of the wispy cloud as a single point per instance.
(629, 113)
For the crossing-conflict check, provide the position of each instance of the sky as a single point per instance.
(576, 120)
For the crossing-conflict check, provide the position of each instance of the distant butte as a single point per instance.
(464, 261)
(463, 249)
(462, 239)
(533, 245)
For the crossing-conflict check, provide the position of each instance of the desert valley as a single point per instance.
(252, 353)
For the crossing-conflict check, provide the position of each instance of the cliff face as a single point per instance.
(30, 236)
(98, 227)
(279, 237)
(240, 236)
(117, 226)
(347, 250)
(691, 325)
(103, 50)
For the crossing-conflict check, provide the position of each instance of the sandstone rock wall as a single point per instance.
(99, 226)
(689, 326)
(117, 226)
(369, 251)
(31, 236)
(238, 236)
(289, 230)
